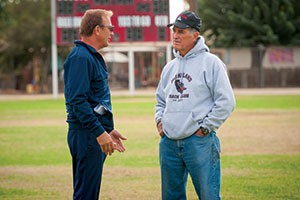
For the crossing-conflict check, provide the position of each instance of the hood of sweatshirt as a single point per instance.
(198, 48)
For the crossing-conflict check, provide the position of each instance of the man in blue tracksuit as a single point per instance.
(91, 133)
(194, 97)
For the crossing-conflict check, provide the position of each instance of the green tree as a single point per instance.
(3, 19)
(251, 23)
(25, 31)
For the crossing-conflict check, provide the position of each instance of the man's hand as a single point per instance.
(117, 137)
(160, 129)
(199, 133)
(106, 143)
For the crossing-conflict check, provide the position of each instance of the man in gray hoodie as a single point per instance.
(194, 98)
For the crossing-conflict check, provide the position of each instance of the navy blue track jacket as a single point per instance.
(86, 86)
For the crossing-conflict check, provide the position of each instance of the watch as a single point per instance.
(205, 131)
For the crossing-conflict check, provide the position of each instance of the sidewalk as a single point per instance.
(151, 92)
(238, 91)
(267, 91)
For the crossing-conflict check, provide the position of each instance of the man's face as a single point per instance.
(184, 39)
(105, 34)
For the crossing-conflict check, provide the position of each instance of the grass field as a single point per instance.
(260, 150)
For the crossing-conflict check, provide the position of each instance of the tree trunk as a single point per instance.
(257, 55)
(45, 68)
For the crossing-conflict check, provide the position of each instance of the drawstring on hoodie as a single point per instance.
(183, 59)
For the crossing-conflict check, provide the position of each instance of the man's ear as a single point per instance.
(97, 30)
(196, 34)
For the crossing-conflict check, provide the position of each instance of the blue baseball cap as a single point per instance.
(187, 19)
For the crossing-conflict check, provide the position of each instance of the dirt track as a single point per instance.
(151, 91)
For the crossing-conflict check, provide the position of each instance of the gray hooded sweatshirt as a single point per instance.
(194, 91)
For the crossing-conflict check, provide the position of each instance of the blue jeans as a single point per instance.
(198, 156)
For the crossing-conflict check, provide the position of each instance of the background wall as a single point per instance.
(281, 67)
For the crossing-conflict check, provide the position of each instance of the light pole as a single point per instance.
(193, 5)
(54, 52)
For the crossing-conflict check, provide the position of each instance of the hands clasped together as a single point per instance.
(111, 142)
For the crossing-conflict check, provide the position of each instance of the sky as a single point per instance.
(176, 7)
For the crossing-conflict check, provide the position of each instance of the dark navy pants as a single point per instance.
(87, 160)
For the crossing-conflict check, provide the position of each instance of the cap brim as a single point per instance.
(178, 25)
